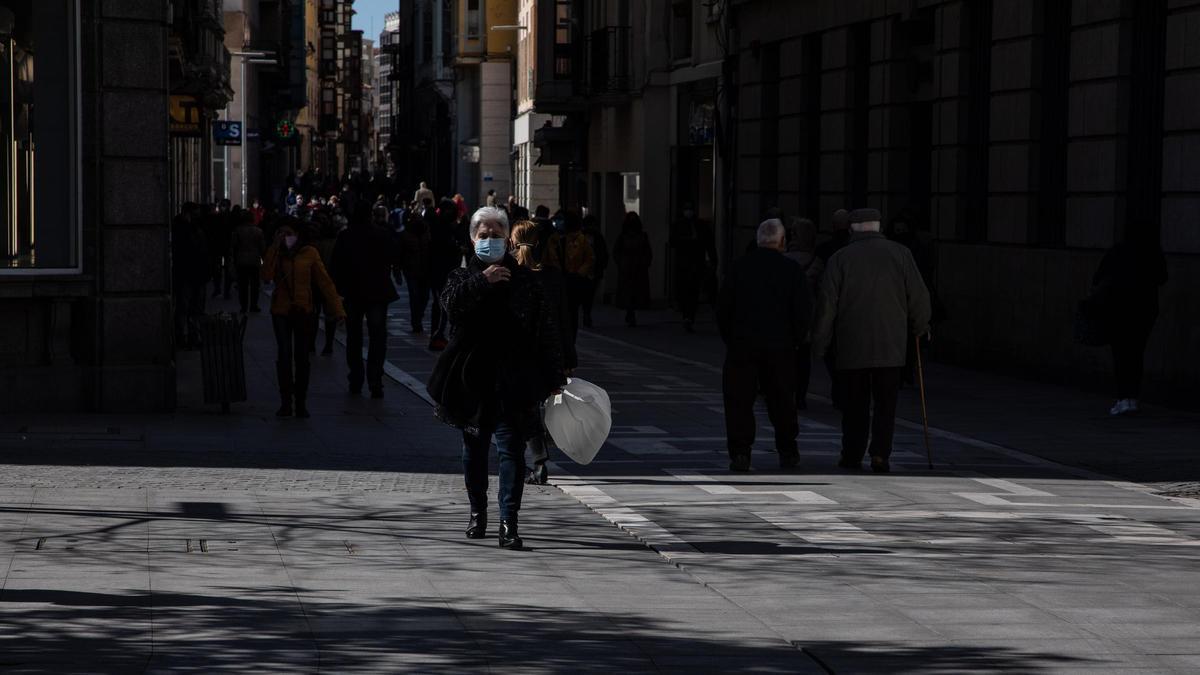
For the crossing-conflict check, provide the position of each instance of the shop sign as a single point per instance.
(185, 114)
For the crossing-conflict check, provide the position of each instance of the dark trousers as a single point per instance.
(1129, 359)
(803, 374)
(247, 283)
(859, 389)
(589, 298)
(511, 447)
(437, 316)
(418, 299)
(747, 370)
(376, 317)
(293, 336)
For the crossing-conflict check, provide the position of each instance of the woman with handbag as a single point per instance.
(503, 359)
(294, 265)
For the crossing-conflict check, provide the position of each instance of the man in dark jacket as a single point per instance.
(365, 258)
(763, 314)
(872, 303)
(695, 260)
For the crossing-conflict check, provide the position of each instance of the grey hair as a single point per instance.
(868, 226)
(770, 232)
(488, 214)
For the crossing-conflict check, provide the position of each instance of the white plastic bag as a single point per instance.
(579, 419)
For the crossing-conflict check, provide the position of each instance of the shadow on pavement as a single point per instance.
(269, 630)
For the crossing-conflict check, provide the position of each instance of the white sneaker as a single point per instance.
(1119, 408)
(1131, 405)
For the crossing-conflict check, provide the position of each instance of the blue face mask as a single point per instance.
(490, 250)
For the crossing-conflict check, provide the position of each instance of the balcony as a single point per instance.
(608, 62)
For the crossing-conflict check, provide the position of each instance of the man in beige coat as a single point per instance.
(872, 302)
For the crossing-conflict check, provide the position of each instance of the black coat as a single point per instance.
(765, 302)
(505, 352)
(364, 259)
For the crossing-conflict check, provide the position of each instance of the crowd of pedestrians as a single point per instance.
(507, 290)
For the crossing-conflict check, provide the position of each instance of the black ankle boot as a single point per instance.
(283, 372)
(508, 534)
(477, 527)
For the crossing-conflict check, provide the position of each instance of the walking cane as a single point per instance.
(924, 406)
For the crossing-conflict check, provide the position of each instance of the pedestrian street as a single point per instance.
(991, 549)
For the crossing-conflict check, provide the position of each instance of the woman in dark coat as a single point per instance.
(523, 242)
(633, 254)
(503, 359)
(1126, 285)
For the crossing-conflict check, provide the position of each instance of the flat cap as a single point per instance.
(865, 216)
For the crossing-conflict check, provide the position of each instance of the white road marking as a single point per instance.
(715, 487)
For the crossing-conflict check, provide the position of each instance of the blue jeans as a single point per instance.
(510, 444)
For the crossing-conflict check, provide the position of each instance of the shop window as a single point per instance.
(39, 128)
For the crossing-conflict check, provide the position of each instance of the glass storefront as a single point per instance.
(38, 136)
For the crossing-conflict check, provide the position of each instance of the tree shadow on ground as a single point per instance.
(57, 631)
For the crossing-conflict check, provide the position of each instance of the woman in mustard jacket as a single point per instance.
(295, 267)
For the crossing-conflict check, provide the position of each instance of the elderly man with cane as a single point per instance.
(872, 302)
(763, 313)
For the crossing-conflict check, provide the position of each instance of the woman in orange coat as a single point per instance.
(295, 267)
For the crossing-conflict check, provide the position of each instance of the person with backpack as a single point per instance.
(295, 267)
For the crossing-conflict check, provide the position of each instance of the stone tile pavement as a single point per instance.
(202, 542)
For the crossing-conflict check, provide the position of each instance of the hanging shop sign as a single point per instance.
(185, 116)
(226, 132)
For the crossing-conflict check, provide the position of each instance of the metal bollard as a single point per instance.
(222, 362)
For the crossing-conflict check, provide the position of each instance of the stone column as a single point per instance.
(135, 367)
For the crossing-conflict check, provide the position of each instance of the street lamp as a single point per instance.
(254, 58)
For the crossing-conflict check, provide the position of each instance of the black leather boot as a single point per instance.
(302, 376)
(508, 534)
(477, 526)
(283, 371)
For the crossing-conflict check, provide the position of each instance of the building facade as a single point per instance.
(484, 56)
(422, 143)
(200, 92)
(387, 87)
(623, 105)
(534, 183)
(85, 286)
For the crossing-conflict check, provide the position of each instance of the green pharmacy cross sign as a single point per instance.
(285, 129)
